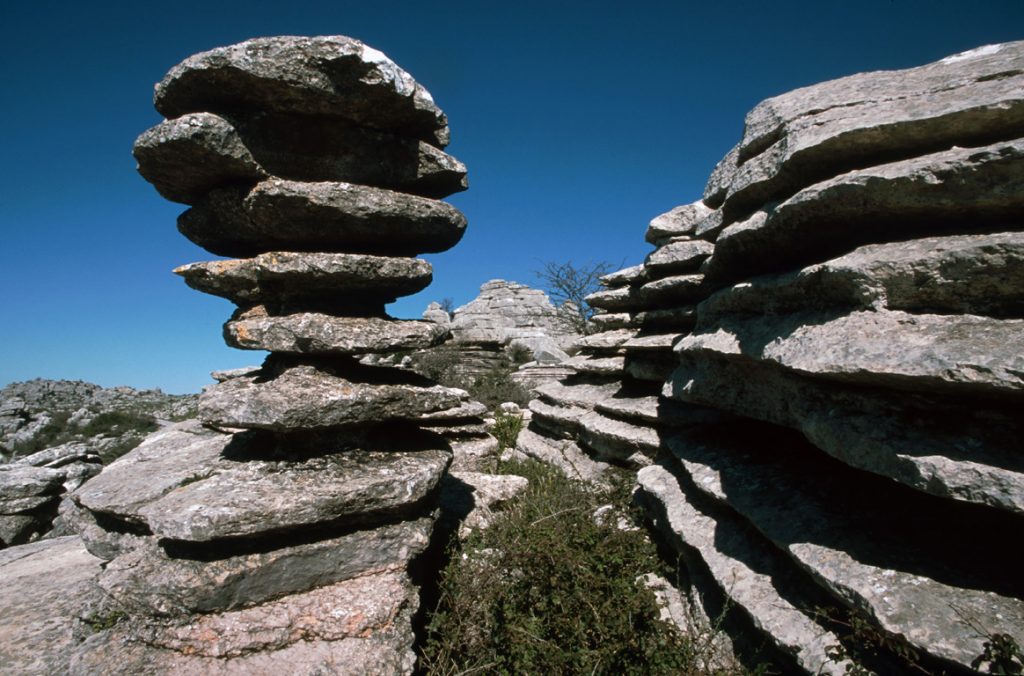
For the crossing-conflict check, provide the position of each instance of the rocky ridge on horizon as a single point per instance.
(817, 374)
(57, 434)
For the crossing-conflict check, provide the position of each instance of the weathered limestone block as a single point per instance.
(746, 569)
(331, 76)
(187, 157)
(147, 582)
(958, 354)
(563, 454)
(362, 625)
(617, 440)
(624, 277)
(46, 585)
(938, 446)
(678, 256)
(318, 333)
(596, 366)
(954, 191)
(961, 274)
(815, 132)
(680, 221)
(915, 576)
(280, 277)
(301, 396)
(264, 497)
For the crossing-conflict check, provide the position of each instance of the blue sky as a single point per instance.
(579, 122)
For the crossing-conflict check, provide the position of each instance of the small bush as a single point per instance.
(496, 387)
(506, 429)
(119, 422)
(548, 590)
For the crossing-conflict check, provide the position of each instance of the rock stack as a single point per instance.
(846, 300)
(277, 535)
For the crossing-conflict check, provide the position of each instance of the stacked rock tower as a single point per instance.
(277, 536)
(821, 366)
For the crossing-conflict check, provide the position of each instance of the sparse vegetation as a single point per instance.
(551, 590)
(568, 284)
(496, 387)
(506, 429)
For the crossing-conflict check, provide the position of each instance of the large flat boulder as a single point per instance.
(935, 445)
(960, 274)
(915, 576)
(955, 191)
(331, 76)
(293, 397)
(363, 623)
(282, 277)
(148, 582)
(319, 333)
(958, 354)
(747, 570)
(815, 132)
(257, 498)
(46, 586)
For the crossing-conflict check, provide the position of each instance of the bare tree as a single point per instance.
(568, 284)
(448, 305)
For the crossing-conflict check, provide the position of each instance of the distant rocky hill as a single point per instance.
(38, 414)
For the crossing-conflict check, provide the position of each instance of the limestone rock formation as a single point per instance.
(278, 532)
(820, 368)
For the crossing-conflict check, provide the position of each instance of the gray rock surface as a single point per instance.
(678, 256)
(330, 76)
(186, 157)
(318, 333)
(360, 625)
(747, 571)
(850, 545)
(954, 191)
(504, 311)
(305, 397)
(680, 221)
(46, 586)
(264, 497)
(960, 354)
(147, 582)
(279, 277)
(819, 131)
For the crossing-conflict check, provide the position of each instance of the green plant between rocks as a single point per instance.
(549, 589)
(506, 428)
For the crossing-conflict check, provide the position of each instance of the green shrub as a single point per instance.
(506, 429)
(496, 387)
(548, 590)
(119, 422)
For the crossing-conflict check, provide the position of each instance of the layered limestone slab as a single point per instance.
(843, 533)
(583, 395)
(281, 277)
(595, 366)
(678, 256)
(362, 623)
(322, 216)
(332, 76)
(656, 342)
(655, 410)
(148, 582)
(561, 421)
(605, 341)
(823, 130)
(949, 192)
(935, 445)
(624, 277)
(187, 157)
(563, 454)
(613, 439)
(746, 569)
(306, 397)
(318, 333)
(680, 221)
(262, 497)
(47, 584)
(25, 481)
(650, 365)
(959, 354)
(165, 460)
(960, 274)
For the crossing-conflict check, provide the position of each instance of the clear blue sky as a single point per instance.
(579, 122)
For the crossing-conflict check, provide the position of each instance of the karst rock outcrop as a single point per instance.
(277, 533)
(818, 373)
